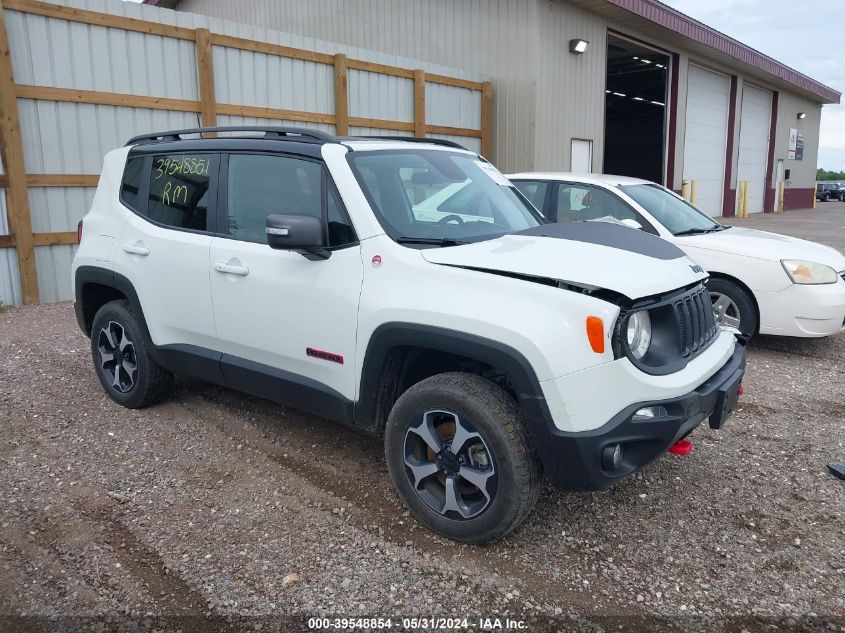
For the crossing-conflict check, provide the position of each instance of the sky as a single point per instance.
(808, 35)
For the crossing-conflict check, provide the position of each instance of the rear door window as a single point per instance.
(535, 191)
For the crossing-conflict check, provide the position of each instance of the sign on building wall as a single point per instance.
(799, 147)
(793, 143)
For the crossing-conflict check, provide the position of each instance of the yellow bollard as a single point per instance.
(692, 191)
(685, 187)
(742, 197)
(814, 194)
(780, 197)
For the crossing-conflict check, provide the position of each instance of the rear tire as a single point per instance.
(733, 305)
(120, 348)
(474, 491)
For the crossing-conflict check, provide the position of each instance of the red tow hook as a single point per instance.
(741, 391)
(681, 447)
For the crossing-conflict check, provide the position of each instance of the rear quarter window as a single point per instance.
(130, 186)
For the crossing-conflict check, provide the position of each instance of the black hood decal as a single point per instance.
(608, 234)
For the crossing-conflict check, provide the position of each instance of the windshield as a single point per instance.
(433, 196)
(672, 211)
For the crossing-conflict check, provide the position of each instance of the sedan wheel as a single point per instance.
(725, 310)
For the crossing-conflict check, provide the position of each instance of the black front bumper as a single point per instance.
(573, 461)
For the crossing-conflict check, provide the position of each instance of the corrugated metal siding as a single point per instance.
(448, 105)
(481, 37)
(71, 138)
(10, 280)
(399, 92)
(248, 78)
(570, 88)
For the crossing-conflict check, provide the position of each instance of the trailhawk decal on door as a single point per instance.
(322, 355)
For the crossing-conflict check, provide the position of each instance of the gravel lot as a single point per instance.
(215, 510)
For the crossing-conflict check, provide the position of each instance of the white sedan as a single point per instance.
(759, 281)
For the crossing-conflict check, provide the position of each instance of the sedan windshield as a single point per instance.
(434, 197)
(673, 212)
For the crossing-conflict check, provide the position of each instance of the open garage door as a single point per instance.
(635, 110)
(755, 121)
(708, 104)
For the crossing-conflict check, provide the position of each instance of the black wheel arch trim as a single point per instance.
(86, 275)
(535, 411)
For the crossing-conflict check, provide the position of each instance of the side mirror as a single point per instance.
(631, 223)
(302, 234)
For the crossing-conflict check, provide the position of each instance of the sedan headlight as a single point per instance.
(803, 272)
(639, 333)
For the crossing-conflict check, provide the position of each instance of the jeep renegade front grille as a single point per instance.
(696, 323)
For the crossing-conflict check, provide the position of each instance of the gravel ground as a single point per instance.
(214, 510)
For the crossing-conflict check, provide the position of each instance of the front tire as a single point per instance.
(733, 306)
(460, 457)
(121, 353)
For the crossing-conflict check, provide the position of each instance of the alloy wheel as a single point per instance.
(117, 357)
(449, 465)
(725, 310)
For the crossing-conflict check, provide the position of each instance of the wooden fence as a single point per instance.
(17, 182)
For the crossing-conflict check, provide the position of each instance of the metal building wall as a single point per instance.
(10, 279)
(490, 37)
(570, 88)
(803, 172)
(71, 138)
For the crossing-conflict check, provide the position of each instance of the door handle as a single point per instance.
(136, 249)
(231, 269)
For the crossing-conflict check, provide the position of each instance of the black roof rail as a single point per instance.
(411, 139)
(270, 132)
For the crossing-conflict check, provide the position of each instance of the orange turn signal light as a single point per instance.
(595, 333)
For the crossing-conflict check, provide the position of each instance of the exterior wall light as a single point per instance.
(578, 46)
(802, 115)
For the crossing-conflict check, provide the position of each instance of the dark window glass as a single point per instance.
(340, 229)
(582, 202)
(260, 185)
(533, 190)
(131, 184)
(179, 190)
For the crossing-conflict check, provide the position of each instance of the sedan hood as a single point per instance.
(764, 245)
(589, 254)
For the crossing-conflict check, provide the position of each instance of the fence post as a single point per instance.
(205, 71)
(486, 119)
(11, 150)
(419, 103)
(341, 95)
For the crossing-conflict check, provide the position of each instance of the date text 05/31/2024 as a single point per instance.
(417, 624)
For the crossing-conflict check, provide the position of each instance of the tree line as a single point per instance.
(823, 174)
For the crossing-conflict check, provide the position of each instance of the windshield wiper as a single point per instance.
(436, 241)
(700, 231)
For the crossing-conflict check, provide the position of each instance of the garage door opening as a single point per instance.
(635, 110)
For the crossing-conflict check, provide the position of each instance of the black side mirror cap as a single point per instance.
(303, 234)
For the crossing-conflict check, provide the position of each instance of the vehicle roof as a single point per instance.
(606, 179)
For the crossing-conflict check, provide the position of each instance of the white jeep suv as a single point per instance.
(332, 275)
